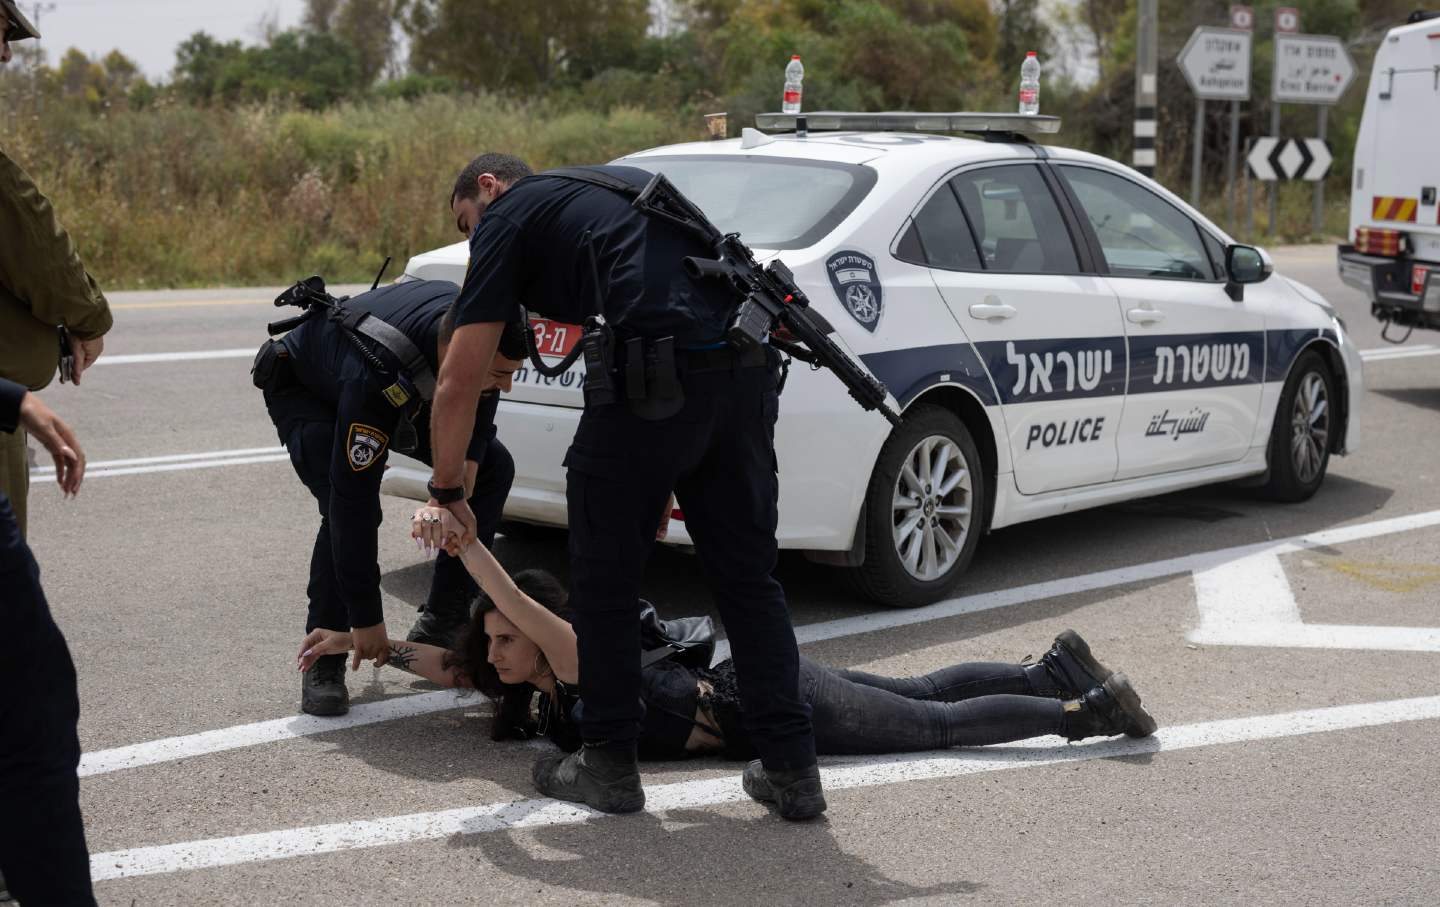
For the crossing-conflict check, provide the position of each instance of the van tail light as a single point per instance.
(1378, 241)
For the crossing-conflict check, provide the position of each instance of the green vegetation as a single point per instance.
(318, 150)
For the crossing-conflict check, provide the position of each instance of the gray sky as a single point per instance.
(147, 31)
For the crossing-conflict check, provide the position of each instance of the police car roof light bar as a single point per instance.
(1005, 126)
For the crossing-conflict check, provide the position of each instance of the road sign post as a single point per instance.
(1243, 19)
(1216, 63)
(1146, 68)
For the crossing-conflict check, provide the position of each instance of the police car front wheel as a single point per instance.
(924, 508)
(1300, 437)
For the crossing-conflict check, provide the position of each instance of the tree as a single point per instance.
(523, 44)
(368, 26)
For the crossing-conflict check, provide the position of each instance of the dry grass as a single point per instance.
(177, 196)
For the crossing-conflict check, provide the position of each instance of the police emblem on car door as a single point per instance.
(364, 445)
(857, 286)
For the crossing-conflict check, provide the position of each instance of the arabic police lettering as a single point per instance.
(1085, 366)
(1059, 434)
(1203, 362)
(1174, 426)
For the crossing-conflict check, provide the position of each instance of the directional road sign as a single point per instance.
(1216, 63)
(1311, 69)
(1274, 158)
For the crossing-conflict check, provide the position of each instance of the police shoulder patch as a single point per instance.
(364, 445)
(857, 286)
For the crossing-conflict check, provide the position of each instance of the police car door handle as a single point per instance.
(992, 309)
(1145, 315)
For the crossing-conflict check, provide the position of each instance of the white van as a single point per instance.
(1394, 215)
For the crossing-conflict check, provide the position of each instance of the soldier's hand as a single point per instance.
(85, 353)
(370, 643)
(321, 642)
(52, 432)
(466, 518)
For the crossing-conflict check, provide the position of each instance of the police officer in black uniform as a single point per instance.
(341, 396)
(568, 249)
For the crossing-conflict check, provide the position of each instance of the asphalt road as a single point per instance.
(1290, 654)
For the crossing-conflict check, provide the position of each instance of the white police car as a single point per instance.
(1059, 331)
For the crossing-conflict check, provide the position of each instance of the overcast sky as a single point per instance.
(147, 31)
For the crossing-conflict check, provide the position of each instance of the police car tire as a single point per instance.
(882, 577)
(1284, 482)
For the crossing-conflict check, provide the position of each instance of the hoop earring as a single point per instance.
(536, 669)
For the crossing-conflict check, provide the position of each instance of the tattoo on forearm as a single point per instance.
(403, 657)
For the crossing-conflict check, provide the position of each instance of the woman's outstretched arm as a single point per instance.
(552, 633)
(417, 658)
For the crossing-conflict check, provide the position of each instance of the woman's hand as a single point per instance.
(321, 642)
(435, 529)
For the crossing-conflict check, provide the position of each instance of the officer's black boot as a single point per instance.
(1108, 710)
(1068, 670)
(447, 610)
(605, 776)
(796, 793)
(435, 627)
(322, 688)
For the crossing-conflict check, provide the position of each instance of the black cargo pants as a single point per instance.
(42, 839)
(718, 456)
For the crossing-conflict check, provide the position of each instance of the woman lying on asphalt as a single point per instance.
(519, 642)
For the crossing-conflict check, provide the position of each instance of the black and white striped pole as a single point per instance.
(1146, 66)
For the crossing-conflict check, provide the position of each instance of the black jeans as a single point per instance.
(965, 705)
(718, 456)
(42, 839)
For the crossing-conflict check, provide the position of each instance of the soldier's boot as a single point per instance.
(604, 776)
(322, 688)
(796, 793)
(1108, 710)
(1068, 670)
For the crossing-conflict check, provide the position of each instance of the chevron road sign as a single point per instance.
(1274, 158)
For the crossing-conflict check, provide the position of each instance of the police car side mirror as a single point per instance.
(1244, 264)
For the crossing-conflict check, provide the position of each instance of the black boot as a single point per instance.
(1108, 710)
(796, 793)
(322, 688)
(1068, 670)
(442, 620)
(604, 776)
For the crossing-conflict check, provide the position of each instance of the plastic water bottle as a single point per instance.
(794, 74)
(1030, 84)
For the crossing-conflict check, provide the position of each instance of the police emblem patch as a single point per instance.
(857, 286)
(364, 445)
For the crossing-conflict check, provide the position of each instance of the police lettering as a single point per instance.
(1059, 434)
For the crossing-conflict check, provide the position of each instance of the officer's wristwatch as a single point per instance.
(445, 495)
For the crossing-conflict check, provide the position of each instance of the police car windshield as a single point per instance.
(773, 203)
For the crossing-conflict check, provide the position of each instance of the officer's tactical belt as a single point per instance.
(412, 361)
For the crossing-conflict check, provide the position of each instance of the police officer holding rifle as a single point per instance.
(351, 380)
(681, 393)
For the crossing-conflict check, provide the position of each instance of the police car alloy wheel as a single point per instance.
(924, 510)
(1300, 438)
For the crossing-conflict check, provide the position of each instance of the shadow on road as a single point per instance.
(1423, 397)
(695, 856)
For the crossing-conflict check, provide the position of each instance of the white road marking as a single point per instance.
(838, 775)
(1248, 602)
(198, 355)
(1399, 352)
(172, 462)
(171, 748)
(245, 735)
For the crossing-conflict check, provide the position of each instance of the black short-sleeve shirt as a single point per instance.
(531, 248)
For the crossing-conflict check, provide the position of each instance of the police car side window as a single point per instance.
(1015, 221)
(939, 237)
(1141, 234)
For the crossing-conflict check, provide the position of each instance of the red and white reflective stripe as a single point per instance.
(1377, 241)
(1418, 274)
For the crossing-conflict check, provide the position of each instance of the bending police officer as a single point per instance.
(340, 401)
(685, 412)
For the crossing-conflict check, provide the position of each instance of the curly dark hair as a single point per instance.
(472, 650)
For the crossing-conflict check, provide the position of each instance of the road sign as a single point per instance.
(1274, 158)
(1242, 17)
(1287, 20)
(1310, 69)
(1216, 63)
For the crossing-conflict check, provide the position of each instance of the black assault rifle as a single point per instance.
(771, 304)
